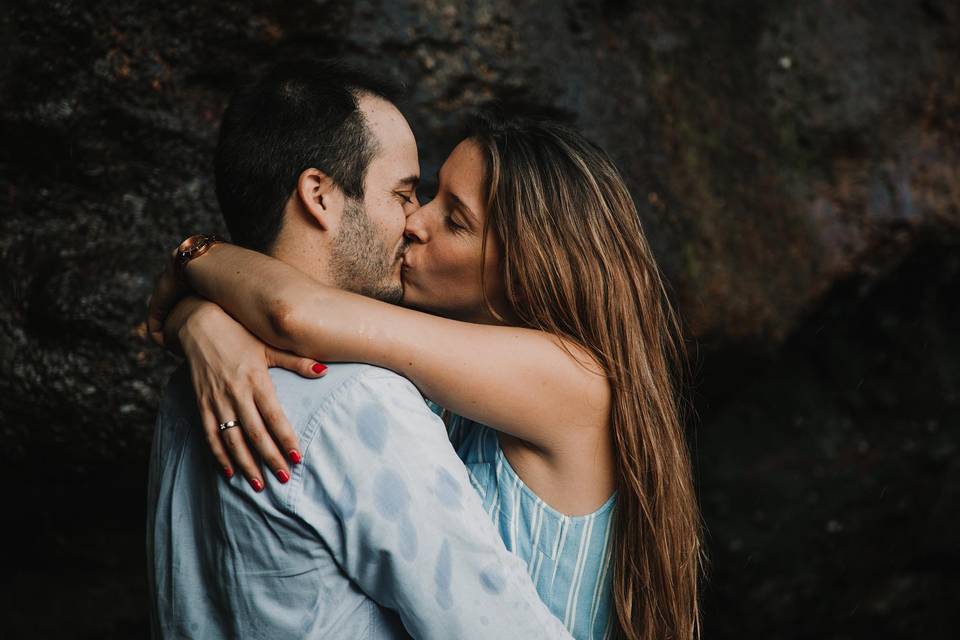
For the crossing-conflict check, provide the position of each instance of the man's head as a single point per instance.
(317, 167)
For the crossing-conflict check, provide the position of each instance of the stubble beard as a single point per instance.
(359, 262)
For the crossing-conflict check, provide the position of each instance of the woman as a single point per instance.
(560, 336)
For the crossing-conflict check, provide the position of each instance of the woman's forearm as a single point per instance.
(520, 381)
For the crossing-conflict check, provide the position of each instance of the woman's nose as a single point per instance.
(416, 226)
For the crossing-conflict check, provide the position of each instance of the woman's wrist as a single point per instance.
(215, 279)
(191, 249)
(182, 323)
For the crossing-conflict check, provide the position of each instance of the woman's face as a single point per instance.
(441, 268)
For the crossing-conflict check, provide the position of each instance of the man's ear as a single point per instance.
(320, 197)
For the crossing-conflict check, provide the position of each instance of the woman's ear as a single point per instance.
(320, 197)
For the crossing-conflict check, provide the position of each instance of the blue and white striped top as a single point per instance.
(568, 557)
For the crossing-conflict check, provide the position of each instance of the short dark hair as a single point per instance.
(297, 115)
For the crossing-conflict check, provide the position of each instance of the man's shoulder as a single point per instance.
(353, 400)
(347, 389)
(341, 380)
(338, 375)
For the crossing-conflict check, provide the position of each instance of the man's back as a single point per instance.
(379, 510)
(230, 562)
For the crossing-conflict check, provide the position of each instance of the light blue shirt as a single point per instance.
(378, 526)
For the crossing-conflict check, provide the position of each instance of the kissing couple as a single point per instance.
(543, 491)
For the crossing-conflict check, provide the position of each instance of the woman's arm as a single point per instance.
(519, 381)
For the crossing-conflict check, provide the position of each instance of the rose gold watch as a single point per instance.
(193, 247)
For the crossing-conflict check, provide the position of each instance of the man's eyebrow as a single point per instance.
(410, 181)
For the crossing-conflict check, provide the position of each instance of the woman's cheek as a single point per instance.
(444, 260)
(458, 264)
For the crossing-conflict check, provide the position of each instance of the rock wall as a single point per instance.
(797, 165)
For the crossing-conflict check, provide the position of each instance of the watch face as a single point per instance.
(191, 244)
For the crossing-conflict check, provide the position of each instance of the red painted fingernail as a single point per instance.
(227, 471)
(295, 456)
(283, 476)
(257, 485)
(319, 368)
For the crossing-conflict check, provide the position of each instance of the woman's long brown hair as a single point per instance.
(576, 264)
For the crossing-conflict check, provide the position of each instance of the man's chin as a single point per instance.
(411, 299)
(391, 292)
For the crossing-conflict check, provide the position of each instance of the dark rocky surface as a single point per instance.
(798, 168)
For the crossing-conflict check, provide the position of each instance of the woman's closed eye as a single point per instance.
(452, 224)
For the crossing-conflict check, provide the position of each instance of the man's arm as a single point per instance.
(388, 496)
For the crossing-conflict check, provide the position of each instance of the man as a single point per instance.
(378, 524)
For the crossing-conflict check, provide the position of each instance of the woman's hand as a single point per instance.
(228, 366)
